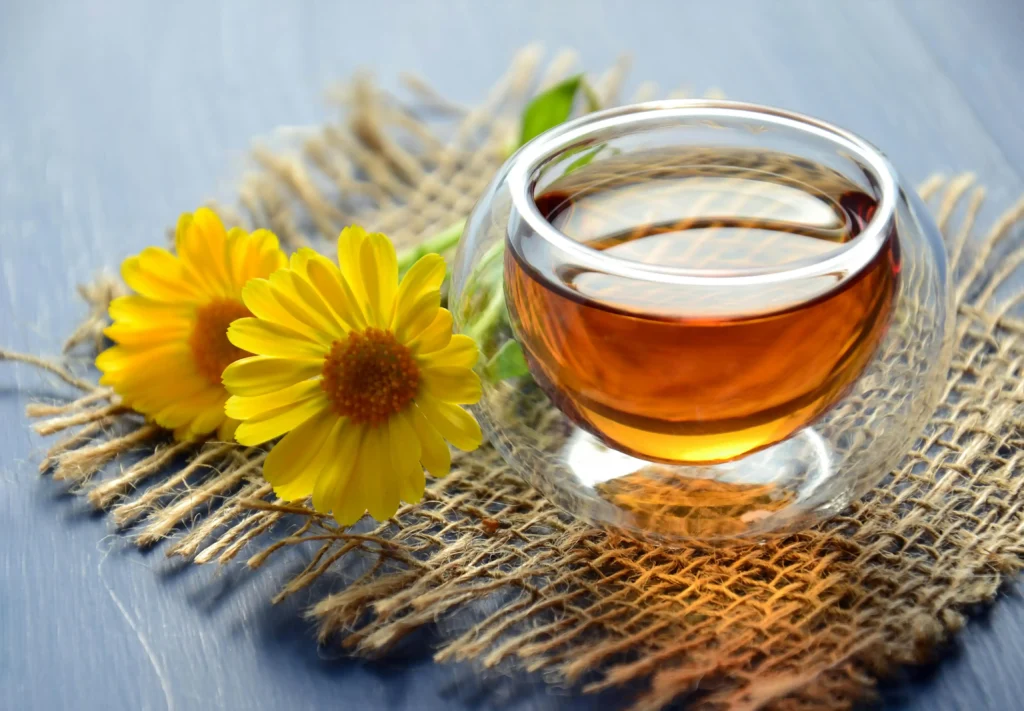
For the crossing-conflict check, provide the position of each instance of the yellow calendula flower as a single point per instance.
(361, 372)
(171, 335)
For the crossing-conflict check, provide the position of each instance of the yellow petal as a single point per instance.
(173, 418)
(113, 359)
(405, 456)
(268, 338)
(164, 381)
(404, 444)
(252, 256)
(342, 451)
(156, 334)
(208, 420)
(178, 413)
(193, 416)
(381, 482)
(245, 408)
(239, 247)
(202, 247)
(425, 275)
(452, 384)
(461, 351)
(309, 297)
(271, 257)
(226, 431)
(151, 396)
(411, 485)
(157, 274)
(260, 375)
(350, 505)
(380, 278)
(455, 424)
(120, 359)
(259, 298)
(202, 284)
(335, 290)
(293, 465)
(436, 336)
(284, 293)
(300, 258)
(419, 316)
(337, 303)
(138, 311)
(273, 424)
(350, 245)
(184, 220)
(434, 452)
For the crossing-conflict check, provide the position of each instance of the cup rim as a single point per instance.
(846, 261)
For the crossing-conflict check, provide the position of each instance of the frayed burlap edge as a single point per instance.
(806, 621)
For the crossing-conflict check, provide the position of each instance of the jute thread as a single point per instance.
(811, 620)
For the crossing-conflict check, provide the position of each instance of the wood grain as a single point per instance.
(115, 116)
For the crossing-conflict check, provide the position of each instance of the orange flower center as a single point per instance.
(370, 376)
(212, 350)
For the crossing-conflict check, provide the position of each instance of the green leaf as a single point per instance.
(549, 108)
(508, 362)
(584, 159)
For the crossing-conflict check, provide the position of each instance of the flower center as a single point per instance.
(370, 376)
(212, 350)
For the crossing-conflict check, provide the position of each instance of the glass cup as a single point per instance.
(703, 318)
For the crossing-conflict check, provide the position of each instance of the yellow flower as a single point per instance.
(171, 335)
(361, 372)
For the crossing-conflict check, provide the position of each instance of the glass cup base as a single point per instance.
(777, 488)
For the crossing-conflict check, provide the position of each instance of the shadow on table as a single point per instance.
(907, 688)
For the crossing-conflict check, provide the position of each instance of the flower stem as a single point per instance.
(439, 243)
(483, 326)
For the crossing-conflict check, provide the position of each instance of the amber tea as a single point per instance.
(700, 375)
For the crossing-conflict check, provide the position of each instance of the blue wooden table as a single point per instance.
(117, 116)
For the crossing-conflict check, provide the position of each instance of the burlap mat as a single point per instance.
(806, 621)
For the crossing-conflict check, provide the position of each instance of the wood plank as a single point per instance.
(982, 54)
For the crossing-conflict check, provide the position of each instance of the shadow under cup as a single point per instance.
(734, 319)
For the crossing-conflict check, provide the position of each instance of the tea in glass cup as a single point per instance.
(710, 376)
(733, 320)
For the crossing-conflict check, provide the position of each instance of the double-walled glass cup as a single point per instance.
(703, 318)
